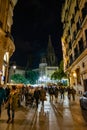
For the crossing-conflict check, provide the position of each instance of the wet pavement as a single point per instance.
(69, 114)
(46, 119)
(63, 115)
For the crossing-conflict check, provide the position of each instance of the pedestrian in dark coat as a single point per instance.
(42, 95)
(51, 92)
(7, 92)
(73, 93)
(37, 96)
(56, 94)
(62, 91)
(69, 92)
(2, 97)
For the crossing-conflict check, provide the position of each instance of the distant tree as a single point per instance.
(59, 74)
(32, 76)
(18, 78)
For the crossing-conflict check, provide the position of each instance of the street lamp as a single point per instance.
(14, 68)
(74, 74)
(75, 77)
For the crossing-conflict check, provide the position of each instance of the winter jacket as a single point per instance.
(2, 95)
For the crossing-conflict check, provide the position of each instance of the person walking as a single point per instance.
(42, 95)
(51, 92)
(69, 92)
(73, 91)
(12, 104)
(56, 94)
(2, 97)
(7, 89)
(37, 96)
(80, 88)
(62, 91)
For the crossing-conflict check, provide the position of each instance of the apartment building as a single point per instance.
(74, 41)
(6, 40)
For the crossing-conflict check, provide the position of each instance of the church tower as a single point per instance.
(51, 57)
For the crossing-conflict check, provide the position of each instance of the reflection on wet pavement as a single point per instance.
(64, 115)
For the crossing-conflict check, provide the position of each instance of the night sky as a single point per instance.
(33, 22)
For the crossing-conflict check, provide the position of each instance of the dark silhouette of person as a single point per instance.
(37, 96)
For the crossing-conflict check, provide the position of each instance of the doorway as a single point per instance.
(85, 84)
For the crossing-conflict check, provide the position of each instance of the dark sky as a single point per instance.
(33, 21)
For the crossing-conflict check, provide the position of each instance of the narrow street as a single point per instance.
(63, 115)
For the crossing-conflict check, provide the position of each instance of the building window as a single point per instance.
(76, 52)
(83, 64)
(69, 32)
(71, 59)
(78, 26)
(77, 7)
(86, 34)
(70, 45)
(81, 46)
(84, 11)
(72, 21)
(74, 35)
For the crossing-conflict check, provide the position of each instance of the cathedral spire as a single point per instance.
(51, 57)
(50, 46)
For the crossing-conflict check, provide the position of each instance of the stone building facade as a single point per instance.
(74, 41)
(6, 40)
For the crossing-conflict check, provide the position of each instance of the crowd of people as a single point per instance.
(32, 94)
(55, 91)
(12, 97)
